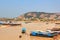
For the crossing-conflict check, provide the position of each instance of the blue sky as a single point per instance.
(14, 8)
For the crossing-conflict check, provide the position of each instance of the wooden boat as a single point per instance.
(12, 24)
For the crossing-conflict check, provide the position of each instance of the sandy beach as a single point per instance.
(13, 32)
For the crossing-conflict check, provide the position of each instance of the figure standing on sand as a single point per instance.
(23, 32)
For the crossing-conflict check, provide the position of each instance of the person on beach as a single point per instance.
(23, 30)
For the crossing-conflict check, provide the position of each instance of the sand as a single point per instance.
(13, 32)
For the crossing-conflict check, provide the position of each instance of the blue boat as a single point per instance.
(33, 33)
(43, 34)
(48, 34)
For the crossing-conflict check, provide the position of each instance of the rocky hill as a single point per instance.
(40, 15)
(34, 16)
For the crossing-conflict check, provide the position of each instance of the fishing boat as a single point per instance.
(43, 33)
(9, 23)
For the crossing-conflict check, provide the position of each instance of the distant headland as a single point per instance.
(34, 16)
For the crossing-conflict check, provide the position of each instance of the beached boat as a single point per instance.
(12, 24)
(57, 30)
(43, 34)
